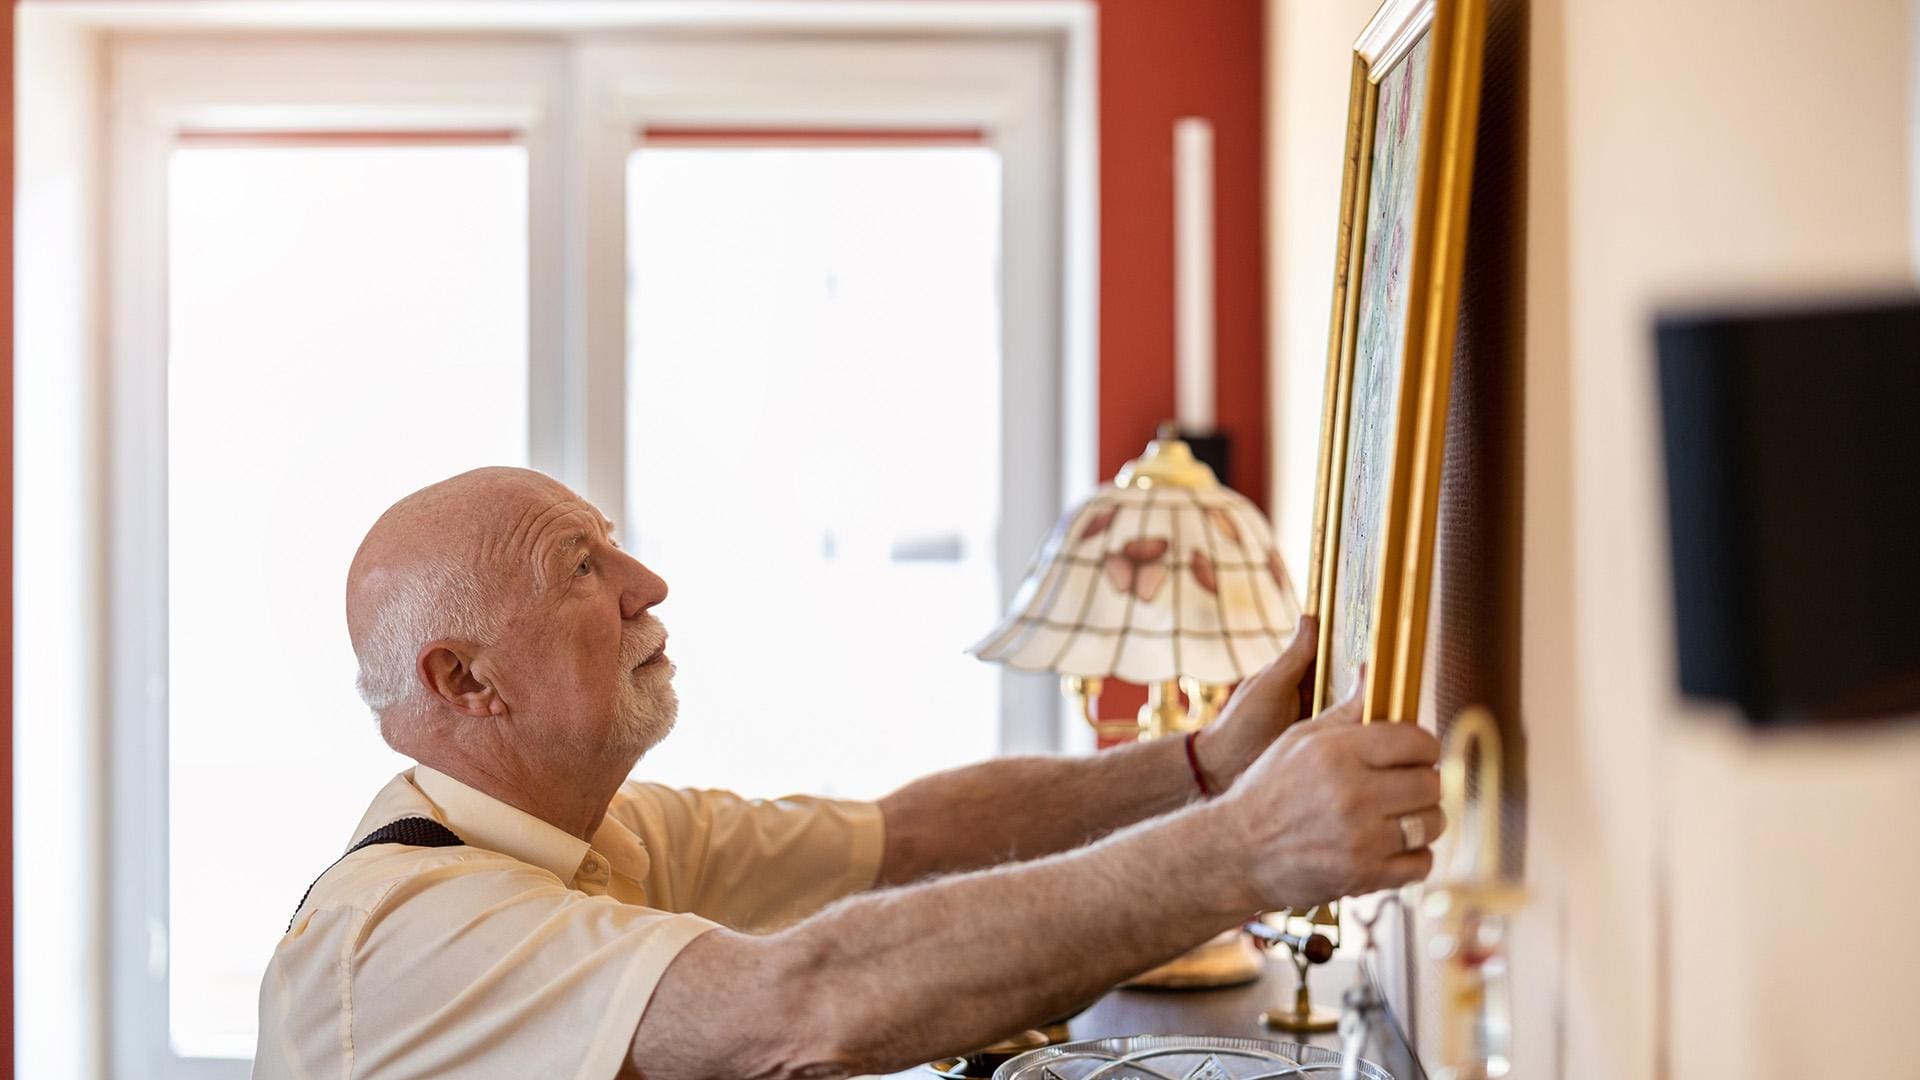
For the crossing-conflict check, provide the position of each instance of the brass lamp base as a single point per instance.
(1315, 1021)
(1227, 960)
(1304, 1018)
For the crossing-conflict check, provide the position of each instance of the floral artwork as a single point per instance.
(1379, 362)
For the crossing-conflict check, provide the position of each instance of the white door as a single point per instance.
(839, 390)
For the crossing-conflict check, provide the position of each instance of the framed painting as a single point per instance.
(1411, 115)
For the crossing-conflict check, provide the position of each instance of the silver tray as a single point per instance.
(1180, 1057)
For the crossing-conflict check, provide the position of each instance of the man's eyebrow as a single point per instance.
(564, 545)
(575, 539)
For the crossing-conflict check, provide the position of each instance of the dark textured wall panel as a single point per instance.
(1478, 577)
(1475, 658)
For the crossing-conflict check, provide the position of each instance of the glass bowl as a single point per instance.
(1181, 1057)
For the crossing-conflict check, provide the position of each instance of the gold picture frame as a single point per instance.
(1404, 222)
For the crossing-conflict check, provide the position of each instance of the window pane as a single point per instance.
(346, 324)
(814, 462)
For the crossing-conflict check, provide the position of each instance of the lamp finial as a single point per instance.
(1167, 462)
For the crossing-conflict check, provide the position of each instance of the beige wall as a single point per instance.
(1708, 904)
(1308, 61)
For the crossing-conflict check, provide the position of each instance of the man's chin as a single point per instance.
(639, 726)
(643, 742)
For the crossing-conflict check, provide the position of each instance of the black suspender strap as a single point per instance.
(413, 832)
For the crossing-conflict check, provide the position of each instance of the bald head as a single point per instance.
(497, 621)
(505, 639)
(438, 564)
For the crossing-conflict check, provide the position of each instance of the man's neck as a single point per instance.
(575, 803)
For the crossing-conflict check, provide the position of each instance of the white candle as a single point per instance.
(1193, 273)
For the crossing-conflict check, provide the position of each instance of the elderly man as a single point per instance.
(524, 910)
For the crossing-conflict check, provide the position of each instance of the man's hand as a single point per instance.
(1266, 704)
(1321, 808)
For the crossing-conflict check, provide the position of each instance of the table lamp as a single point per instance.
(1164, 578)
(1168, 579)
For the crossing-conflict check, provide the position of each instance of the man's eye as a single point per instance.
(583, 568)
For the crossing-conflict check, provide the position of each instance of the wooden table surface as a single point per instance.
(1234, 1011)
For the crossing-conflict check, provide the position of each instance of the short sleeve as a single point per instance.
(473, 964)
(753, 864)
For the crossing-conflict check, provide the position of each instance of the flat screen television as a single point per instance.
(1793, 494)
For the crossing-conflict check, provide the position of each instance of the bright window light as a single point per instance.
(813, 456)
(346, 324)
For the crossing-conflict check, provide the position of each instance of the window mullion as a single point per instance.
(595, 209)
(550, 277)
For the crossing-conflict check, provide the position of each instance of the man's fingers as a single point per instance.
(1407, 790)
(1406, 868)
(1297, 657)
(1347, 712)
(1432, 822)
(1290, 667)
(1386, 746)
(1390, 836)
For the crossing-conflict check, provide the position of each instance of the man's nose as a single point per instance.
(644, 589)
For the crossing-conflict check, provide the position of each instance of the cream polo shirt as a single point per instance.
(529, 952)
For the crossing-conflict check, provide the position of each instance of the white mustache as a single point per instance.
(640, 643)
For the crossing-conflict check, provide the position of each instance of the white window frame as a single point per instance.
(1002, 88)
(576, 82)
(161, 89)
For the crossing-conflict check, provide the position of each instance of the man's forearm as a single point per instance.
(1021, 808)
(891, 977)
(881, 980)
(969, 960)
(1024, 807)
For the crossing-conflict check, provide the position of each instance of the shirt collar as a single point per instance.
(482, 821)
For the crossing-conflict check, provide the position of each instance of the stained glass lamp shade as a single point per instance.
(1164, 578)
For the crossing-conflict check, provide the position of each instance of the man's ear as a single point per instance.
(446, 669)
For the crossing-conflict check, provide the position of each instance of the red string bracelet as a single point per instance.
(1193, 762)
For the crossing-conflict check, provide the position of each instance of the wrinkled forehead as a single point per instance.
(544, 533)
(508, 526)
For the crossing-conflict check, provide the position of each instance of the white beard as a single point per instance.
(641, 719)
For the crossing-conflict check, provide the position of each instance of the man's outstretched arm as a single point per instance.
(1017, 808)
(888, 979)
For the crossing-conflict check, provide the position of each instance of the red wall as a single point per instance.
(6, 541)
(1161, 60)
